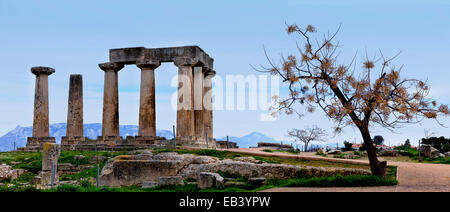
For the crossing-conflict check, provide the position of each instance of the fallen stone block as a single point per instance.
(257, 181)
(170, 180)
(149, 184)
(209, 180)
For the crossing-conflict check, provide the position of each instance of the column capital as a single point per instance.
(110, 66)
(210, 73)
(42, 70)
(148, 64)
(185, 61)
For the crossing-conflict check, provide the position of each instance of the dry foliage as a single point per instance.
(350, 93)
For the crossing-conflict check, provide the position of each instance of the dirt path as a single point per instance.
(411, 176)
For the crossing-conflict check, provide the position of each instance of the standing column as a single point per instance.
(74, 131)
(198, 102)
(41, 133)
(75, 107)
(185, 106)
(41, 119)
(110, 123)
(207, 103)
(147, 113)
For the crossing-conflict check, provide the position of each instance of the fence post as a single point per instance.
(53, 175)
(174, 137)
(98, 175)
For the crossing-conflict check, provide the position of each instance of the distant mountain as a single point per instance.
(19, 134)
(251, 139)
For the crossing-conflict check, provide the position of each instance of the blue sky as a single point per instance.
(74, 36)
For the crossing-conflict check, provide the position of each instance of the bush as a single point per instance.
(347, 146)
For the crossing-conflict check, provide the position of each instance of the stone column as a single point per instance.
(110, 122)
(198, 102)
(41, 120)
(147, 113)
(207, 103)
(41, 114)
(74, 131)
(185, 101)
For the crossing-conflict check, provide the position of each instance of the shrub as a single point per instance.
(347, 146)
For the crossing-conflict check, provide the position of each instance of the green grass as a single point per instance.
(414, 155)
(334, 181)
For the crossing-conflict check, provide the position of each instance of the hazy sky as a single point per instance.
(74, 37)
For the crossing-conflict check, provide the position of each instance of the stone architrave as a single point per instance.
(74, 132)
(41, 111)
(147, 113)
(110, 122)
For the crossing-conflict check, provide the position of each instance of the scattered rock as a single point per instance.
(209, 180)
(170, 180)
(149, 184)
(205, 160)
(334, 152)
(97, 159)
(392, 153)
(233, 183)
(247, 159)
(68, 168)
(79, 157)
(14, 163)
(257, 181)
(7, 173)
(429, 151)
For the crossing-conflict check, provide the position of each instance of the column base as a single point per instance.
(35, 144)
(69, 143)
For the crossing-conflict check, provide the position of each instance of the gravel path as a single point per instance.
(415, 177)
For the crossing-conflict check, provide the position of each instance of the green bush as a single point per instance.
(347, 146)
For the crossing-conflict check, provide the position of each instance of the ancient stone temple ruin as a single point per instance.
(194, 125)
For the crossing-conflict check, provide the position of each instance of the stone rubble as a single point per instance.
(429, 151)
(7, 173)
(127, 170)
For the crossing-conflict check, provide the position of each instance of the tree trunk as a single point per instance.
(306, 147)
(377, 167)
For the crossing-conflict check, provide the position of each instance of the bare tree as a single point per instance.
(349, 97)
(306, 136)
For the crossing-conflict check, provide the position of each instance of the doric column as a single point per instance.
(75, 107)
(110, 123)
(207, 103)
(198, 102)
(185, 100)
(147, 113)
(41, 119)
